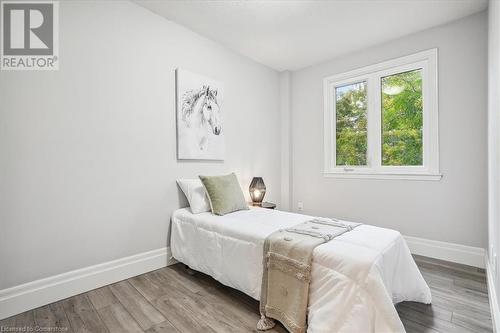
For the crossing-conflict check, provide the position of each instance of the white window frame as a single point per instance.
(427, 62)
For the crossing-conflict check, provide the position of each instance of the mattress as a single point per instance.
(356, 278)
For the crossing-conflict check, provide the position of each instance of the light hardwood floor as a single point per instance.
(175, 299)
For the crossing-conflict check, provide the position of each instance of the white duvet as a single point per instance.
(356, 278)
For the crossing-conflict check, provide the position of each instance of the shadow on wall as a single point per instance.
(181, 198)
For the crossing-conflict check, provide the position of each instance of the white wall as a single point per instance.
(88, 153)
(493, 144)
(285, 114)
(451, 210)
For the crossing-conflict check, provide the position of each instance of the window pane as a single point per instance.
(402, 122)
(350, 106)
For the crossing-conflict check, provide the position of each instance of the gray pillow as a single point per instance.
(224, 193)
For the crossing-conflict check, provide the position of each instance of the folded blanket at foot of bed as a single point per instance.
(287, 260)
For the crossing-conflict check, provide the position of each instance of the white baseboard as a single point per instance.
(37, 293)
(462, 254)
(492, 294)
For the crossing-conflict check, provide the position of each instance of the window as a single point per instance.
(381, 121)
(351, 136)
(402, 121)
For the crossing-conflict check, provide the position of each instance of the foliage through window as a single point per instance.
(402, 119)
(351, 124)
(382, 119)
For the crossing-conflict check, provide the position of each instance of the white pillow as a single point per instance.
(196, 195)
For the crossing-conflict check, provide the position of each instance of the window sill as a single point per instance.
(386, 176)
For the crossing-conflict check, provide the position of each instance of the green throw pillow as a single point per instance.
(224, 193)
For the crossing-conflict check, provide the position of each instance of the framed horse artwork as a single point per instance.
(200, 130)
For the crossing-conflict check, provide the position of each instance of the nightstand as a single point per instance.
(268, 205)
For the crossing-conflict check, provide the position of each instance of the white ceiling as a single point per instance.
(292, 34)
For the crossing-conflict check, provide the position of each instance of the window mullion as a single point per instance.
(374, 122)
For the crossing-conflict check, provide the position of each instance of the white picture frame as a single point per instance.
(200, 129)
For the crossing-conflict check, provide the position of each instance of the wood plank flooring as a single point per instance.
(177, 300)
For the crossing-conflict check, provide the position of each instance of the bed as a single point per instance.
(356, 278)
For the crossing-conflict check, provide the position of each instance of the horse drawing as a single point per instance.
(200, 133)
(200, 112)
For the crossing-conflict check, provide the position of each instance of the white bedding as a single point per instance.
(356, 277)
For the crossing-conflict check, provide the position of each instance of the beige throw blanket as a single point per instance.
(287, 271)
